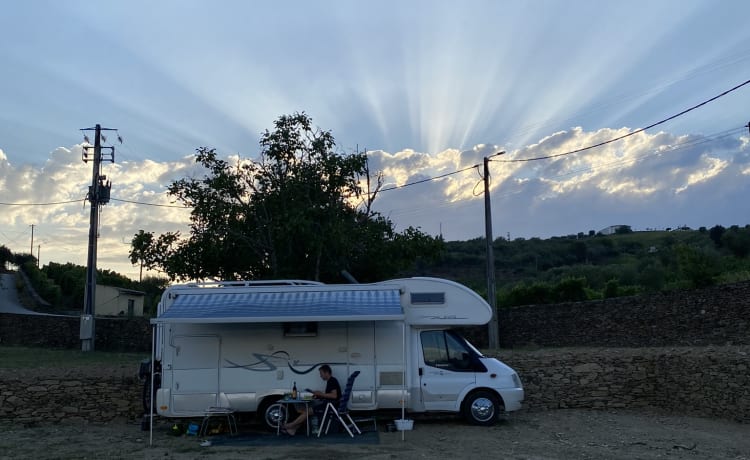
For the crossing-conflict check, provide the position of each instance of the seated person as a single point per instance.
(331, 394)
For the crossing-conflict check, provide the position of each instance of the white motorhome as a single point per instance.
(244, 345)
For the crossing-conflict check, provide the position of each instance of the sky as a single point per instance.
(427, 88)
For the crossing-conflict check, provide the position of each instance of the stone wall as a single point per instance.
(84, 394)
(112, 334)
(701, 381)
(714, 316)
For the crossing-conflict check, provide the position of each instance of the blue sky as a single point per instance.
(427, 87)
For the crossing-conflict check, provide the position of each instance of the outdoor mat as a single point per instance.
(271, 439)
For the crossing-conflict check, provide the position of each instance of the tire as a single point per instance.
(481, 408)
(147, 395)
(270, 413)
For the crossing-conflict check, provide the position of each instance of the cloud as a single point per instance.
(646, 180)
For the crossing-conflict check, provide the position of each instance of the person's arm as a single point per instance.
(333, 394)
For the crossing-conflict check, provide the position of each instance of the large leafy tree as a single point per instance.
(298, 212)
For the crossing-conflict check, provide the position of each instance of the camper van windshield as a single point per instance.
(468, 344)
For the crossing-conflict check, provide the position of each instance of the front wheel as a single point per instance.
(271, 413)
(481, 408)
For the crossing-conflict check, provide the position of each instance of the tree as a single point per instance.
(715, 233)
(301, 211)
(737, 241)
(6, 256)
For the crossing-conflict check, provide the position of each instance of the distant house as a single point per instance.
(612, 229)
(115, 301)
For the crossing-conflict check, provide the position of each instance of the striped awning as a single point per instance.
(294, 305)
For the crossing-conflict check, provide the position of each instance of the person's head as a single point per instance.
(325, 371)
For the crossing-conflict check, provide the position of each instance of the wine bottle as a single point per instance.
(294, 391)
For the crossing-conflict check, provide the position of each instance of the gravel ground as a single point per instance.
(560, 434)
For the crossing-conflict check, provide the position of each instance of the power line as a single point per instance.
(640, 130)
(151, 204)
(447, 204)
(429, 179)
(82, 200)
(43, 204)
(580, 149)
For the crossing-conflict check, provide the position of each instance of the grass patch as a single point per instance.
(12, 357)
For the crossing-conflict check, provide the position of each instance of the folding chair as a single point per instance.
(342, 412)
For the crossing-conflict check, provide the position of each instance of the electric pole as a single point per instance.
(31, 251)
(98, 195)
(493, 332)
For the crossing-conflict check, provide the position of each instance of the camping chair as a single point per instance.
(342, 412)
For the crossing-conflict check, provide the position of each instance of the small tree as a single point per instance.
(299, 212)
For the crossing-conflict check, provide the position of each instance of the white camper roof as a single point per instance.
(271, 304)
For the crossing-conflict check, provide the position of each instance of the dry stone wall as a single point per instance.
(112, 334)
(718, 315)
(702, 381)
(85, 394)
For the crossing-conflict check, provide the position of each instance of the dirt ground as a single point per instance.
(561, 434)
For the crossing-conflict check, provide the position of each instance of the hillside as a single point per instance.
(528, 271)
(589, 266)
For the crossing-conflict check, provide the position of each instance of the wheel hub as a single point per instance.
(482, 409)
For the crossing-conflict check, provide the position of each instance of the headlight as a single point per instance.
(516, 380)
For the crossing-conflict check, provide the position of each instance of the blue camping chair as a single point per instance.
(342, 412)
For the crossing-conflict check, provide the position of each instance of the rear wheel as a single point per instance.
(271, 413)
(147, 395)
(481, 408)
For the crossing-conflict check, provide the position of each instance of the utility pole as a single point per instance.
(99, 192)
(31, 251)
(38, 249)
(493, 332)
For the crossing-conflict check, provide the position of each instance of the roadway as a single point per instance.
(9, 302)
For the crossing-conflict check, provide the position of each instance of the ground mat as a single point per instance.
(271, 439)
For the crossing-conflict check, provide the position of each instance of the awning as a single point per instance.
(294, 305)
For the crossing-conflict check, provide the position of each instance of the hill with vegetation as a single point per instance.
(594, 266)
(528, 271)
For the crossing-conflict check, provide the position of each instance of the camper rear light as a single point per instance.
(163, 408)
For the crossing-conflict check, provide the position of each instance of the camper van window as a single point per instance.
(309, 329)
(427, 298)
(444, 350)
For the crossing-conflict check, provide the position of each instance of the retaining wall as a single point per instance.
(718, 315)
(30, 397)
(700, 381)
(112, 334)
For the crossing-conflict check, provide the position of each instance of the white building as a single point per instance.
(115, 301)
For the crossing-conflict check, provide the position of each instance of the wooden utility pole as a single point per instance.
(99, 192)
(31, 251)
(493, 332)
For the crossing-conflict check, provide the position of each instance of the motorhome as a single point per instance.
(243, 345)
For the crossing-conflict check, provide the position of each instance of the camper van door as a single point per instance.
(446, 370)
(195, 373)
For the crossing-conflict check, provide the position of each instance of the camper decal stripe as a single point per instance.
(265, 363)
